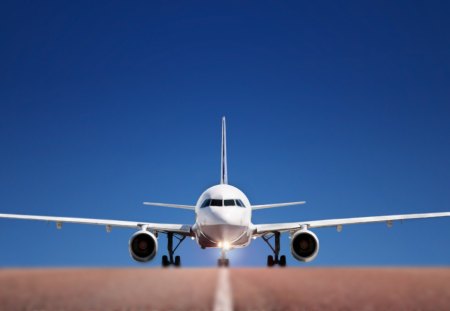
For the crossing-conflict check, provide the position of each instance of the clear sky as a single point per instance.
(104, 105)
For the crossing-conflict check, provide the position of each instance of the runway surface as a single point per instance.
(226, 289)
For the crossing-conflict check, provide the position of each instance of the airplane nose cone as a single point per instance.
(222, 233)
(221, 216)
(222, 224)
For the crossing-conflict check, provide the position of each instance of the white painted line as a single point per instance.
(223, 300)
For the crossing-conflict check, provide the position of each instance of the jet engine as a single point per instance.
(143, 246)
(304, 245)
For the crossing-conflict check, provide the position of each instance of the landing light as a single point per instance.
(224, 245)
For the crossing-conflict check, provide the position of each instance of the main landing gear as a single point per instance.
(171, 260)
(275, 259)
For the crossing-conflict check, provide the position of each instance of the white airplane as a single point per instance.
(224, 220)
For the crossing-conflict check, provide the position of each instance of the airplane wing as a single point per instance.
(190, 207)
(254, 207)
(338, 223)
(175, 228)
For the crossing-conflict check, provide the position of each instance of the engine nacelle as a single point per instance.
(304, 245)
(143, 246)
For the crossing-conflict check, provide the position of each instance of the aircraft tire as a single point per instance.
(270, 261)
(223, 262)
(282, 262)
(165, 261)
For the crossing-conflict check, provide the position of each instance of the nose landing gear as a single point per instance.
(171, 260)
(223, 261)
(276, 259)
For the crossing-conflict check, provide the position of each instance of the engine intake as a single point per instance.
(304, 245)
(143, 246)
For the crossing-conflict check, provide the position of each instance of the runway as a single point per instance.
(222, 289)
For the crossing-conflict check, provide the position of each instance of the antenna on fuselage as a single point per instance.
(223, 171)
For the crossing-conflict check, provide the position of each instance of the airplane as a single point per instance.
(223, 220)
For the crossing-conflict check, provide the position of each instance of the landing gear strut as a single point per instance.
(276, 259)
(171, 260)
(223, 261)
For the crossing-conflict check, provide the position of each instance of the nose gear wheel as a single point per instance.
(223, 261)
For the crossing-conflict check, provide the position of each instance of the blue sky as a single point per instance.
(104, 105)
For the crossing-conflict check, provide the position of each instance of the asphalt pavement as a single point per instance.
(225, 289)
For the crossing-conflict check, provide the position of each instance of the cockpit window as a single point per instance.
(215, 202)
(229, 203)
(239, 203)
(206, 203)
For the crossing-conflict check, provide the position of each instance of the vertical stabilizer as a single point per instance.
(223, 171)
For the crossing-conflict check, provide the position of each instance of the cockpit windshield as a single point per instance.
(239, 203)
(206, 203)
(215, 202)
(229, 203)
(218, 202)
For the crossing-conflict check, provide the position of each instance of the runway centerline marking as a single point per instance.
(223, 300)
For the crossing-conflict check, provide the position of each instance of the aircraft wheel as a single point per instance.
(282, 262)
(177, 261)
(223, 262)
(270, 261)
(165, 261)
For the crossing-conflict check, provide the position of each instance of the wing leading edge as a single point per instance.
(189, 207)
(175, 228)
(282, 227)
(262, 206)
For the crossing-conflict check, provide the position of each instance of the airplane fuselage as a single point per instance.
(223, 218)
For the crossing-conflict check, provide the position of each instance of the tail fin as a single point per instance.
(224, 172)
